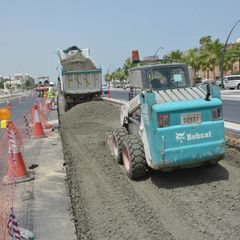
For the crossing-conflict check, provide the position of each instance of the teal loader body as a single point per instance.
(182, 144)
(167, 123)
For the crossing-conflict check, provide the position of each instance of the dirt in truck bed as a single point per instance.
(198, 203)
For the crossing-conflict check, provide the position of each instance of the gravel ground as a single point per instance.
(198, 203)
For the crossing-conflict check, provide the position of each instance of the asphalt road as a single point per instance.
(231, 110)
(231, 107)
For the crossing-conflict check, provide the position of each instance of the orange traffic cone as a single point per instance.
(16, 165)
(43, 118)
(37, 125)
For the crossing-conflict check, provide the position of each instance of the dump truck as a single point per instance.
(80, 79)
(168, 124)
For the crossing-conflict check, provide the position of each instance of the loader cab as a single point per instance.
(158, 77)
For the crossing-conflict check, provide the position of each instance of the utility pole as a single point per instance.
(10, 79)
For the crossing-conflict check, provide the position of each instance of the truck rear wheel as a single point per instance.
(134, 157)
(118, 138)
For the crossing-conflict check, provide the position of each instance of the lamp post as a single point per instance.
(10, 79)
(223, 53)
(157, 51)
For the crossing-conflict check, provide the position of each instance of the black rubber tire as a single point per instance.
(133, 147)
(118, 138)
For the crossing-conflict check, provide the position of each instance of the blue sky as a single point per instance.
(31, 31)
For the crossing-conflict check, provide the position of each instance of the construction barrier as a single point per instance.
(7, 191)
(13, 169)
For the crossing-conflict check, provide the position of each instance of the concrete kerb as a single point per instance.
(230, 92)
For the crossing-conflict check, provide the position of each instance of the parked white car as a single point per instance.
(232, 82)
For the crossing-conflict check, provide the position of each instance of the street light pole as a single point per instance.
(10, 79)
(223, 54)
(157, 51)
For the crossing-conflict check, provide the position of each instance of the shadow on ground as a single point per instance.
(189, 177)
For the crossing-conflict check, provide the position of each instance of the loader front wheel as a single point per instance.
(134, 157)
(118, 138)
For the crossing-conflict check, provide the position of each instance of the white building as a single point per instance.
(17, 83)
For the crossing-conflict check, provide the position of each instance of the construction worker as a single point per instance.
(51, 95)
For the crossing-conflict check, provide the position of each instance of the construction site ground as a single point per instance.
(197, 203)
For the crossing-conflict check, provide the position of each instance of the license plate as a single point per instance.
(191, 118)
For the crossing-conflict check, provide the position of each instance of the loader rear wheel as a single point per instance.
(134, 157)
(118, 138)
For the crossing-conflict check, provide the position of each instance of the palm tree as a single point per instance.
(120, 75)
(229, 60)
(236, 54)
(126, 66)
(108, 78)
(173, 56)
(192, 58)
(204, 41)
(215, 49)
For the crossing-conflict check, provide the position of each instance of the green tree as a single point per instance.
(108, 77)
(173, 56)
(192, 58)
(215, 52)
(236, 54)
(210, 54)
(127, 66)
(205, 41)
(204, 56)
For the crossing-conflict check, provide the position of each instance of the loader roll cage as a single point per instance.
(167, 78)
(158, 77)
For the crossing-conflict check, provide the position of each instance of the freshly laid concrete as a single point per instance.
(43, 205)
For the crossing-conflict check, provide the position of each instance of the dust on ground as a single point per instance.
(198, 203)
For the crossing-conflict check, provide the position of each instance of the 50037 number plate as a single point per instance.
(191, 118)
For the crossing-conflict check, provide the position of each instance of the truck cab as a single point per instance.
(174, 124)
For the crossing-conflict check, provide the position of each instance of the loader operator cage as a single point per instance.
(160, 77)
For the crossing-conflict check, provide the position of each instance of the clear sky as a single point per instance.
(31, 31)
